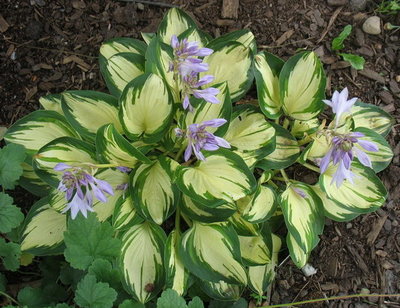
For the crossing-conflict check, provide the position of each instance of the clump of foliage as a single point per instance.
(174, 181)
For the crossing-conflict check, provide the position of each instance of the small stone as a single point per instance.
(386, 97)
(140, 6)
(388, 224)
(381, 253)
(337, 2)
(349, 225)
(398, 78)
(358, 5)
(387, 265)
(372, 25)
(308, 270)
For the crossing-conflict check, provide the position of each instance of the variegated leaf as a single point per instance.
(51, 102)
(334, 210)
(243, 36)
(365, 195)
(267, 69)
(31, 182)
(302, 86)
(242, 226)
(174, 22)
(212, 252)
(141, 260)
(250, 135)
(122, 44)
(222, 177)
(254, 250)
(177, 276)
(205, 111)
(146, 113)
(286, 150)
(87, 111)
(381, 159)
(260, 206)
(43, 230)
(221, 290)
(230, 62)
(120, 69)
(153, 192)
(125, 213)
(301, 128)
(202, 213)
(372, 117)
(298, 255)
(261, 276)
(61, 150)
(37, 129)
(113, 148)
(304, 215)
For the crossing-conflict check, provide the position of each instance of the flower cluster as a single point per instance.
(186, 65)
(344, 146)
(80, 187)
(199, 138)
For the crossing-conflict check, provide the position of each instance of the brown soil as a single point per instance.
(51, 46)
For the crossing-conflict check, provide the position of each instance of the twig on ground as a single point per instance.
(162, 4)
(330, 23)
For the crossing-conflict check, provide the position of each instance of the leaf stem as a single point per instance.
(285, 176)
(306, 140)
(311, 167)
(310, 301)
(179, 153)
(10, 298)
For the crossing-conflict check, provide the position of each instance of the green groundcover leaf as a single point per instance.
(10, 215)
(356, 61)
(11, 157)
(10, 254)
(128, 303)
(45, 296)
(171, 299)
(87, 239)
(337, 42)
(93, 294)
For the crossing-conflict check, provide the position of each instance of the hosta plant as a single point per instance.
(189, 178)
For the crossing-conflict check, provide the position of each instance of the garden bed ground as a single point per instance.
(51, 46)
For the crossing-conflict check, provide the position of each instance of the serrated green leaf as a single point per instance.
(10, 254)
(92, 294)
(171, 299)
(86, 239)
(196, 302)
(128, 303)
(104, 272)
(356, 61)
(337, 42)
(11, 158)
(10, 215)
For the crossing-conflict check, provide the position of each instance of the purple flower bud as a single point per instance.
(124, 169)
(340, 104)
(200, 139)
(62, 167)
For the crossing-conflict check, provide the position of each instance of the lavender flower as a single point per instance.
(199, 138)
(342, 153)
(185, 53)
(191, 85)
(340, 104)
(80, 187)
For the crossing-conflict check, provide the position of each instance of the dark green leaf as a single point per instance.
(10, 215)
(240, 303)
(3, 283)
(356, 61)
(70, 276)
(11, 157)
(171, 299)
(337, 42)
(87, 239)
(93, 294)
(10, 254)
(131, 304)
(196, 303)
(104, 272)
(33, 297)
